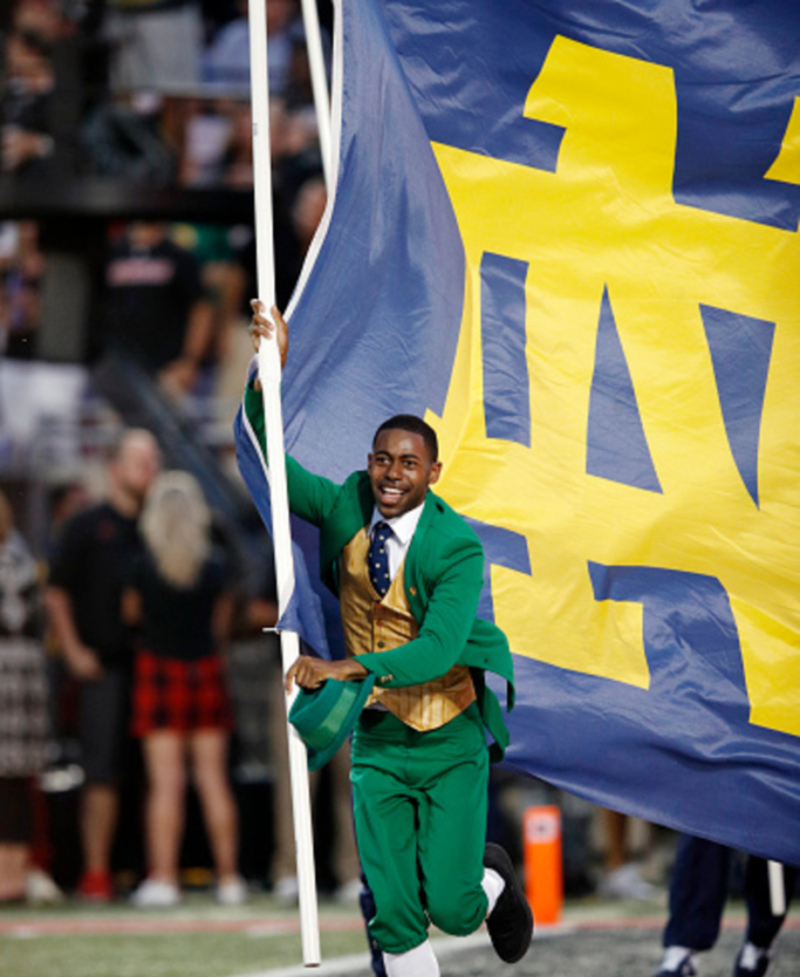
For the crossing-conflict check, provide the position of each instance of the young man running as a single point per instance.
(408, 572)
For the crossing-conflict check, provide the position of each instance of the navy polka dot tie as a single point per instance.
(378, 558)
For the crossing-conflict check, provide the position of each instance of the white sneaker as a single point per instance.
(349, 893)
(752, 961)
(287, 891)
(625, 882)
(41, 890)
(155, 894)
(232, 892)
(678, 962)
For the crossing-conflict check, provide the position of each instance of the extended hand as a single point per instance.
(311, 673)
(83, 663)
(261, 325)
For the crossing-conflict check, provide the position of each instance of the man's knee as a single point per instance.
(398, 925)
(457, 915)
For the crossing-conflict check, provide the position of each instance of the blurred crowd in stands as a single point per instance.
(151, 91)
(152, 94)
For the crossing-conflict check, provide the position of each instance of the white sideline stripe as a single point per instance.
(341, 966)
(446, 946)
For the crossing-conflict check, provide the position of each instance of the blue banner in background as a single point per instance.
(567, 235)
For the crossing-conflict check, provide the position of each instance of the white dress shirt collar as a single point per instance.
(402, 526)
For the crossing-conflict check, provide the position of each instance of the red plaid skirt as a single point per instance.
(178, 695)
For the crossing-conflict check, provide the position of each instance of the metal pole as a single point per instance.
(269, 370)
(319, 85)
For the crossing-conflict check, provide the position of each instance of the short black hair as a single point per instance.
(415, 425)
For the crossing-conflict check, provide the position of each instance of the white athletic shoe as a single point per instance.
(231, 893)
(287, 891)
(155, 894)
(349, 893)
(678, 962)
(625, 882)
(41, 890)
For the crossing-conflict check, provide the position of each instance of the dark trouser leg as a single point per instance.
(697, 893)
(762, 926)
(367, 902)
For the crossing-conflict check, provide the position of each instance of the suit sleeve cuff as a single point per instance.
(380, 669)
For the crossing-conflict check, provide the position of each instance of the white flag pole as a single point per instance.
(777, 891)
(319, 86)
(269, 371)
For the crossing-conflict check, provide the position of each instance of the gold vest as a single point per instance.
(375, 625)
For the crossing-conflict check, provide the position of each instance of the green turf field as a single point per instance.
(40, 943)
(201, 939)
(176, 955)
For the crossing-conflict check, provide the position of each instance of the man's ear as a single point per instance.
(436, 471)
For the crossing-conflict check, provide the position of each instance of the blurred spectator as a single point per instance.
(621, 878)
(206, 133)
(42, 17)
(156, 44)
(697, 895)
(237, 164)
(156, 306)
(84, 603)
(27, 139)
(227, 59)
(64, 501)
(125, 139)
(50, 67)
(21, 267)
(178, 597)
(295, 148)
(217, 144)
(216, 249)
(23, 704)
(309, 206)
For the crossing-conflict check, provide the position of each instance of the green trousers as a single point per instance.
(420, 803)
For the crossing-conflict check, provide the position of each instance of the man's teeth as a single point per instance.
(391, 491)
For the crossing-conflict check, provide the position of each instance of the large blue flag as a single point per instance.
(566, 233)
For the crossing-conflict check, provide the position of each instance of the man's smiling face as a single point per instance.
(400, 469)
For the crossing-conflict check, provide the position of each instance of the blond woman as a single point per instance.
(179, 600)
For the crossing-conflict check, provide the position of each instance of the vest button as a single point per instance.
(381, 644)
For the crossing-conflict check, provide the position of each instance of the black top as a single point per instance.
(95, 553)
(150, 292)
(176, 622)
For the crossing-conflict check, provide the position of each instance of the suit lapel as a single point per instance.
(419, 555)
(353, 512)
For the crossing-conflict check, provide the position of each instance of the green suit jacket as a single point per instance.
(443, 576)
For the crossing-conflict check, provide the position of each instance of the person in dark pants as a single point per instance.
(697, 895)
(83, 601)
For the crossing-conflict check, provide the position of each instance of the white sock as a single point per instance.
(493, 885)
(419, 962)
(674, 957)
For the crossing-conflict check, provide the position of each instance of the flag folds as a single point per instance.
(567, 234)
